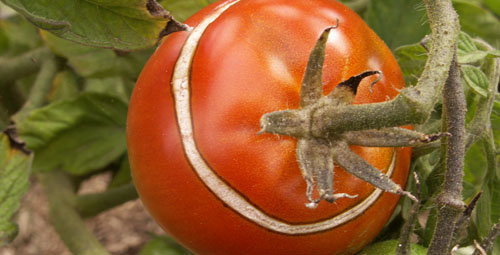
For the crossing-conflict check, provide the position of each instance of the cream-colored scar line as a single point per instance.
(238, 203)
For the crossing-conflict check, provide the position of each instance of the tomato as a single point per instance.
(200, 166)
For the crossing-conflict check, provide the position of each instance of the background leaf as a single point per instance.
(182, 10)
(493, 5)
(163, 245)
(114, 85)
(411, 59)
(478, 21)
(495, 122)
(64, 86)
(467, 51)
(95, 62)
(79, 135)
(389, 248)
(475, 169)
(397, 22)
(17, 35)
(15, 168)
(475, 79)
(125, 25)
(121, 176)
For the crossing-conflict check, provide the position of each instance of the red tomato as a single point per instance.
(199, 165)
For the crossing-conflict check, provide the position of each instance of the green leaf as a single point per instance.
(411, 59)
(494, 53)
(79, 135)
(397, 22)
(495, 122)
(469, 250)
(493, 5)
(389, 248)
(467, 51)
(6, 11)
(475, 79)
(4, 42)
(116, 86)
(94, 62)
(163, 245)
(17, 35)
(15, 168)
(465, 43)
(488, 206)
(478, 21)
(475, 169)
(182, 10)
(471, 57)
(122, 176)
(65, 86)
(124, 25)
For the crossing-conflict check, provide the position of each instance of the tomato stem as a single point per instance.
(17, 67)
(41, 87)
(449, 200)
(404, 243)
(317, 151)
(89, 205)
(64, 217)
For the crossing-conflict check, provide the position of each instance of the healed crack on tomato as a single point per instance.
(316, 155)
(220, 197)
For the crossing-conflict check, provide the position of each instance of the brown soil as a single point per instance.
(122, 230)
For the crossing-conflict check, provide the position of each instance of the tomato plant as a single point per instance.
(198, 162)
(240, 147)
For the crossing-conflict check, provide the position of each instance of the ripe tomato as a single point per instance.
(200, 167)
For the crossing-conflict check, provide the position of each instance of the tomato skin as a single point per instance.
(250, 61)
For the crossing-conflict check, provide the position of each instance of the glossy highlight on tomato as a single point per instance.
(200, 166)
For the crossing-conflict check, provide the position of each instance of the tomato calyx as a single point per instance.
(156, 10)
(317, 152)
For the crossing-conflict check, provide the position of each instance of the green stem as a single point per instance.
(490, 152)
(404, 245)
(414, 104)
(463, 222)
(92, 204)
(40, 89)
(64, 217)
(487, 243)
(427, 128)
(425, 149)
(489, 146)
(21, 66)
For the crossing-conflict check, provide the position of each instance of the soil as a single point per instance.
(122, 230)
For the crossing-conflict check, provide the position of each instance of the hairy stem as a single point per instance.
(463, 222)
(450, 204)
(414, 104)
(487, 243)
(64, 217)
(92, 204)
